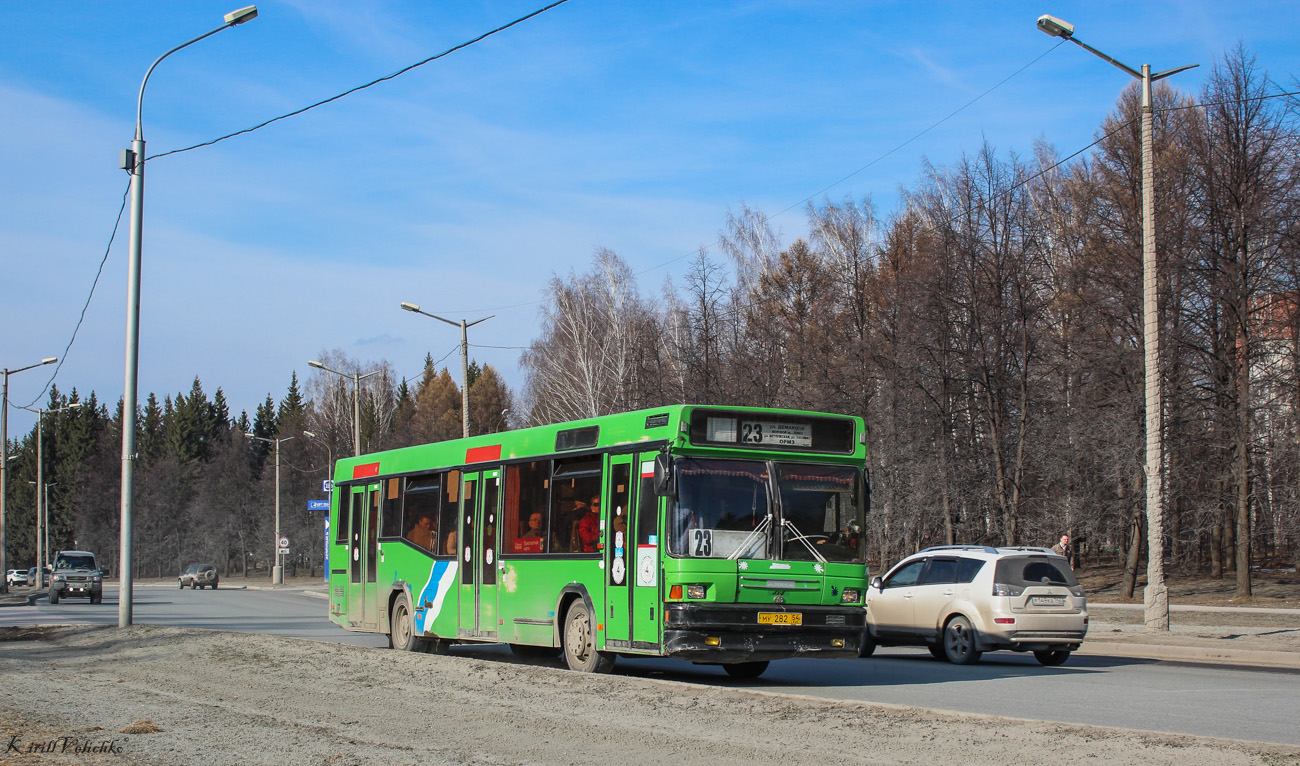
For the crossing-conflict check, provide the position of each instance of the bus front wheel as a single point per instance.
(745, 669)
(580, 642)
(401, 634)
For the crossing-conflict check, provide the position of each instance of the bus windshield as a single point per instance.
(821, 512)
(724, 510)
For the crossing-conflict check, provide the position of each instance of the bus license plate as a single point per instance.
(1047, 601)
(780, 618)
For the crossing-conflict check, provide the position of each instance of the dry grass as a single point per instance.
(1268, 588)
(142, 726)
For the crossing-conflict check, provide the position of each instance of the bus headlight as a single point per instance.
(850, 596)
(695, 591)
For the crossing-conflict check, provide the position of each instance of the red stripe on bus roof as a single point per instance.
(481, 454)
(364, 471)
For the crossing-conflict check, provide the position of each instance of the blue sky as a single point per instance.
(465, 184)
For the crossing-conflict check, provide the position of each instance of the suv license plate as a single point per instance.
(1047, 601)
(780, 618)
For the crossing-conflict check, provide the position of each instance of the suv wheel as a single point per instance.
(54, 597)
(959, 642)
(1052, 658)
(868, 645)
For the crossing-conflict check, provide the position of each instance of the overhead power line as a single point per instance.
(350, 91)
(259, 126)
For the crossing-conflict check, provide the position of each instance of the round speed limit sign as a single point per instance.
(284, 542)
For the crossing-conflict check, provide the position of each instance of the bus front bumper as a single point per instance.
(740, 633)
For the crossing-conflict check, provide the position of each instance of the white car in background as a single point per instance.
(963, 600)
(16, 577)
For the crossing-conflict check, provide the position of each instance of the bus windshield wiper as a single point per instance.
(801, 537)
(758, 532)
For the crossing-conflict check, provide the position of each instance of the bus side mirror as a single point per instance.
(663, 475)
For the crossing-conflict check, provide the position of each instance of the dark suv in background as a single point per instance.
(76, 574)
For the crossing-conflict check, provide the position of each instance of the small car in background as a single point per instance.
(963, 600)
(44, 579)
(76, 574)
(200, 576)
(16, 577)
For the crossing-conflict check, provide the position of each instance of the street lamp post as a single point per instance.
(356, 399)
(277, 571)
(4, 457)
(46, 540)
(329, 453)
(133, 162)
(42, 530)
(1157, 594)
(464, 358)
(43, 516)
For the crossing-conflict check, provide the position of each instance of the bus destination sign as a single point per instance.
(776, 434)
(774, 431)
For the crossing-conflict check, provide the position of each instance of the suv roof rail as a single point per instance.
(1030, 549)
(984, 548)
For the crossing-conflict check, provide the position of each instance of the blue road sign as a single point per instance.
(318, 505)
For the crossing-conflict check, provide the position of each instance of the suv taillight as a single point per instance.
(1002, 589)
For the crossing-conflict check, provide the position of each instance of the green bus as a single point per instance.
(719, 535)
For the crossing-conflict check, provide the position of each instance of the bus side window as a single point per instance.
(525, 498)
(448, 517)
(392, 508)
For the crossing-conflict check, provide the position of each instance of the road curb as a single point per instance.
(1198, 654)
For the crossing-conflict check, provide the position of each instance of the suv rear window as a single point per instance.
(1033, 570)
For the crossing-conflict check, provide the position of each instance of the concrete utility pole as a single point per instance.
(277, 571)
(43, 516)
(4, 459)
(1157, 593)
(132, 161)
(464, 359)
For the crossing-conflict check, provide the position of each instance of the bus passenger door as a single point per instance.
(479, 508)
(370, 555)
(618, 527)
(644, 552)
(362, 520)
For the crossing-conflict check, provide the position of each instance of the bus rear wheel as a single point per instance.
(580, 642)
(401, 634)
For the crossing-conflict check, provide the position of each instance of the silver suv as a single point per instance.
(963, 600)
(76, 574)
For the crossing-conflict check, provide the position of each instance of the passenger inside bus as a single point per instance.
(423, 533)
(588, 527)
(532, 539)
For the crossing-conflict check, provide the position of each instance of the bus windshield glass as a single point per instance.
(821, 512)
(724, 510)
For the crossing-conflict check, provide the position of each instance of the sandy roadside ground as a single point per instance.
(222, 698)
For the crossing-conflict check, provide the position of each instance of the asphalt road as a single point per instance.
(1208, 700)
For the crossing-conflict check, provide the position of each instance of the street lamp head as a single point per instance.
(235, 18)
(50, 360)
(410, 306)
(1055, 27)
(316, 364)
(309, 434)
